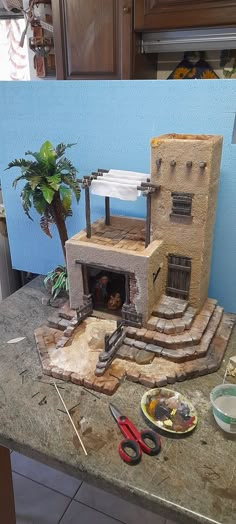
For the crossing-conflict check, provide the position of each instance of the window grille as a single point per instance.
(181, 204)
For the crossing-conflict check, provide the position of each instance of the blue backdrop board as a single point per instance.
(112, 123)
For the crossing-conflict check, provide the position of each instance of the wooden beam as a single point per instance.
(87, 211)
(149, 184)
(85, 279)
(7, 506)
(148, 221)
(145, 189)
(107, 211)
(177, 291)
(127, 289)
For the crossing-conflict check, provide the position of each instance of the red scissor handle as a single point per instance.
(130, 451)
(137, 441)
(147, 435)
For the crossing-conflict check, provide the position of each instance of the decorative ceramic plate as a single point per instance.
(169, 411)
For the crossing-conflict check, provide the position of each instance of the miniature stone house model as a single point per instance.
(150, 276)
(178, 231)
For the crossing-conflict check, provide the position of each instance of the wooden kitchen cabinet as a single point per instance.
(93, 38)
(151, 15)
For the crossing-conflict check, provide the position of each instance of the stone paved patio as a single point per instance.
(70, 352)
(125, 235)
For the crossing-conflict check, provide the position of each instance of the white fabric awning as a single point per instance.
(119, 184)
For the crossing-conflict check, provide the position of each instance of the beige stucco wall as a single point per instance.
(142, 265)
(190, 237)
(155, 289)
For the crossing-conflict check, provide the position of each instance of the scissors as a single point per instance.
(135, 441)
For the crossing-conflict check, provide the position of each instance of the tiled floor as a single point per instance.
(127, 236)
(46, 496)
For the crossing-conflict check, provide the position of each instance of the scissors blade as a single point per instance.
(115, 412)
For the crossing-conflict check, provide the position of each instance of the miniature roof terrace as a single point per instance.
(123, 232)
(116, 250)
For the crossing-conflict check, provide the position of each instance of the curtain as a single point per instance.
(14, 63)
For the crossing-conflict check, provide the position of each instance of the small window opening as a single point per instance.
(181, 204)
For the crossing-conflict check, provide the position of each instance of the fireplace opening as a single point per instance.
(107, 289)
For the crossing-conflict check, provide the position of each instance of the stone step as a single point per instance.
(58, 322)
(140, 356)
(180, 355)
(163, 372)
(213, 324)
(179, 325)
(192, 352)
(176, 325)
(169, 307)
(66, 312)
(192, 337)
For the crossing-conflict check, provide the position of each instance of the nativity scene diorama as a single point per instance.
(138, 304)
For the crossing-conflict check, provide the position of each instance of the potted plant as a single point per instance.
(50, 182)
(56, 281)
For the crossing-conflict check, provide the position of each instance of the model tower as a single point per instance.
(183, 211)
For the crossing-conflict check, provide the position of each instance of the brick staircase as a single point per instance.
(177, 344)
(175, 331)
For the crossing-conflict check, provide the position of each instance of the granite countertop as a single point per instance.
(193, 480)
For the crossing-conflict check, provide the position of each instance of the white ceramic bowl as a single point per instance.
(223, 400)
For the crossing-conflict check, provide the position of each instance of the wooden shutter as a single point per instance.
(178, 278)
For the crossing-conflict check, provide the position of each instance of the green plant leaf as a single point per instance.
(35, 155)
(15, 182)
(20, 162)
(59, 281)
(46, 279)
(73, 184)
(48, 193)
(39, 202)
(57, 292)
(66, 166)
(61, 148)
(59, 285)
(26, 197)
(47, 173)
(44, 224)
(47, 153)
(34, 181)
(66, 197)
(54, 181)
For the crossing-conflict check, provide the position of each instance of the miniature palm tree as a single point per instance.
(50, 182)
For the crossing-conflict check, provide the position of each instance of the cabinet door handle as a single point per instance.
(126, 10)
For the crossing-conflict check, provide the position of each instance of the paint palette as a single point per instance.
(169, 411)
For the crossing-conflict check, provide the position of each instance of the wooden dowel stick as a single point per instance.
(80, 440)
(148, 221)
(107, 211)
(87, 211)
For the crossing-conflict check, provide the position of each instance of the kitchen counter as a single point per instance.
(193, 480)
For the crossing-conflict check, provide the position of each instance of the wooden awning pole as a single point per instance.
(148, 220)
(107, 211)
(87, 211)
(127, 291)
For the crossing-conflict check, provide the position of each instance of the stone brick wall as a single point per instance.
(133, 288)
